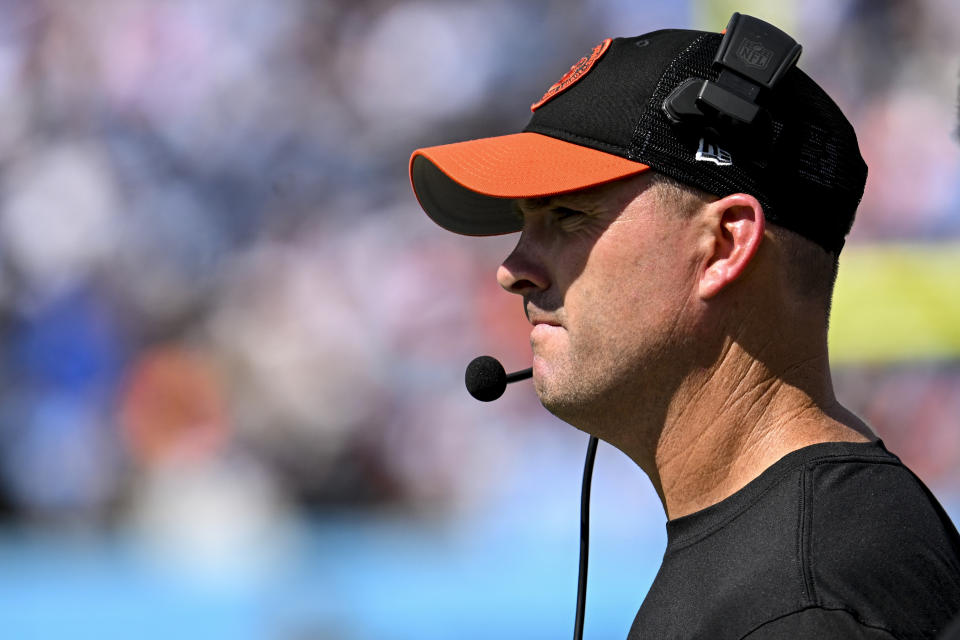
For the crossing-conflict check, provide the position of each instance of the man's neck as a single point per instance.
(726, 426)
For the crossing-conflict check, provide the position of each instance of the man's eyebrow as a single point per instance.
(576, 202)
(532, 204)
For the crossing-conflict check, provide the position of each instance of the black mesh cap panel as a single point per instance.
(801, 160)
(601, 110)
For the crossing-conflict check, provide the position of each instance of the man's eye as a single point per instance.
(563, 213)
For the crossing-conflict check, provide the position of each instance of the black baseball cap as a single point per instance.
(623, 109)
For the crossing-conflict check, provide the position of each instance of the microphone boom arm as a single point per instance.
(520, 375)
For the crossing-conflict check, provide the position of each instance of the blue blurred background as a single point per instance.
(233, 346)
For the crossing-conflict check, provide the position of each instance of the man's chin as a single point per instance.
(560, 400)
(570, 401)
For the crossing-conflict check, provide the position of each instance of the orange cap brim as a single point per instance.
(469, 187)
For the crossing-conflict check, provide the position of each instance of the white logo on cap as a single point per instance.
(709, 152)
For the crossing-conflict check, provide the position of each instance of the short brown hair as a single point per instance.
(811, 270)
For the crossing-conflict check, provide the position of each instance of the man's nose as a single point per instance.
(523, 271)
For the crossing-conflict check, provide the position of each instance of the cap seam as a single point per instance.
(634, 151)
(566, 136)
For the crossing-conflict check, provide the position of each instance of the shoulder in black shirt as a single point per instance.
(835, 540)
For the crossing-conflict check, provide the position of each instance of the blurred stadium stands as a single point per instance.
(232, 345)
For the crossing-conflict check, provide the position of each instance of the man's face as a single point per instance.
(607, 277)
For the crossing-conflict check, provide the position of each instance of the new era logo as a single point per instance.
(709, 152)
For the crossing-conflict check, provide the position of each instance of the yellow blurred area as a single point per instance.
(895, 303)
(713, 15)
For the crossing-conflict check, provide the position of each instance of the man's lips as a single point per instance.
(547, 321)
(543, 326)
(537, 316)
(544, 331)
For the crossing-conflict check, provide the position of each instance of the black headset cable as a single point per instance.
(584, 537)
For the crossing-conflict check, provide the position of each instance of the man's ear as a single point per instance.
(735, 225)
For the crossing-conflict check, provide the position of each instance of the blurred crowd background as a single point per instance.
(231, 398)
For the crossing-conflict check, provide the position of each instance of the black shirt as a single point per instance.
(835, 540)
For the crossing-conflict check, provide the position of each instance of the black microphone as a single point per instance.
(486, 381)
(486, 378)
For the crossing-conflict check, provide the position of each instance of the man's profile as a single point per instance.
(682, 198)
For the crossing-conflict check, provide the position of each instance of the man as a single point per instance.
(677, 255)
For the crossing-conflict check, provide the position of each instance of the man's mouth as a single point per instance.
(537, 316)
(534, 320)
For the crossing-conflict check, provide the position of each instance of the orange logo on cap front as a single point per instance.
(576, 72)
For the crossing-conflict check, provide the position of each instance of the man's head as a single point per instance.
(644, 279)
(607, 278)
(652, 231)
